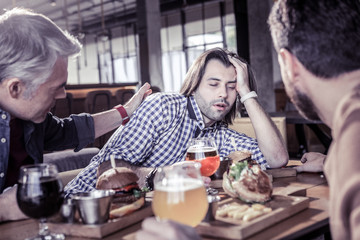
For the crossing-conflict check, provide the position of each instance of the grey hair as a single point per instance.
(30, 44)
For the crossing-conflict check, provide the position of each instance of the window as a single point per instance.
(187, 33)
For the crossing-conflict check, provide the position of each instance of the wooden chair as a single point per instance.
(98, 101)
(244, 125)
(124, 95)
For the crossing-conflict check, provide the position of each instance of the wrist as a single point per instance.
(247, 96)
(125, 117)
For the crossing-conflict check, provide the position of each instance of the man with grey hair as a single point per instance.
(34, 56)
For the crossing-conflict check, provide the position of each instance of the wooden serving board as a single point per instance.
(282, 207)
(101, 230)
(281, 172)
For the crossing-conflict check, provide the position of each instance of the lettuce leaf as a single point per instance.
(236, 169)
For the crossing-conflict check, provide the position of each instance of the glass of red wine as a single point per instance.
(40, 195)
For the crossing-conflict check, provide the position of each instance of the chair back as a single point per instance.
(124, 95)
(244, 125)
(98, 101)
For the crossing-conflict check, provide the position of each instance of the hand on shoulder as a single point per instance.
(137, 99)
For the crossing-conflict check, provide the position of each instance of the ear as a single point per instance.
(15, 87)
(289, 64)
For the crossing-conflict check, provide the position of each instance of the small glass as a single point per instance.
(204, 151)
(40, 195)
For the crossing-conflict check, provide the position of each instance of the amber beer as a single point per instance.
(182, 200)
(207, 156)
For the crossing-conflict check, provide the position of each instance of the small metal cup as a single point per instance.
(94, 206)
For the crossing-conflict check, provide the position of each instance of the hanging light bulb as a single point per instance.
(104, 36)
(53, 3)
(81, 35)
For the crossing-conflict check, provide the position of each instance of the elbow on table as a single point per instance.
(279, 160)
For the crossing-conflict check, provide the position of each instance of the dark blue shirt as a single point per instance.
(76, 131)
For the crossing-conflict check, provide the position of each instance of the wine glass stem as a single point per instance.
(43, 228)
(211, 191)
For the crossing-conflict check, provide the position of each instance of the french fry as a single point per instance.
(240, 214)
(251, 215)
(258, 207)
(242, 211)
(238, 210)
(224, 210)
(267, 210)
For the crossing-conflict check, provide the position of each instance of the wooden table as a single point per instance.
(312, 221)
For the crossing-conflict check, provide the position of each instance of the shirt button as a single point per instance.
(3, 116)
(2, 175)
(3, 140)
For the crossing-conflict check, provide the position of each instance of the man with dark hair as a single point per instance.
(34, 56)
(318, 51)
(159, 132)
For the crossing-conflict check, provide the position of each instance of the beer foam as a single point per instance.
(179, 184)
(199, 148)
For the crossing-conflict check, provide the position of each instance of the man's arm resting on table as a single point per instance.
(270, 141)
(9, 209)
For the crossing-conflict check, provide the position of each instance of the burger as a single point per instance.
(239, 156)
(245, 180)
(128, 195)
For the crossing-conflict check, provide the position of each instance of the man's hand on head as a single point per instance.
(242, 85)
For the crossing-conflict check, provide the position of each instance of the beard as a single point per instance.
(305, 106)
(207, 110)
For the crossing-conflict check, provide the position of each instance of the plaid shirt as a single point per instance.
(158, 135)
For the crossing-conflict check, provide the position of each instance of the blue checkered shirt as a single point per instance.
(158, 134)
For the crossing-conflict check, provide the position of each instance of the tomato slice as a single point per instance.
(127, 188)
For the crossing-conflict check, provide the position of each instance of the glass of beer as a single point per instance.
(204, 151)
(180, 194)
